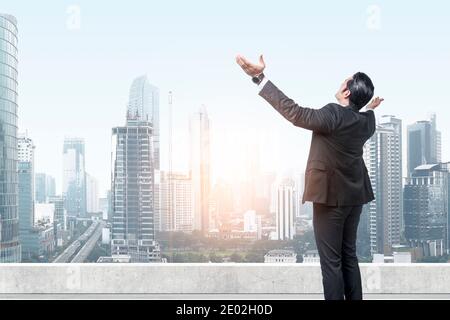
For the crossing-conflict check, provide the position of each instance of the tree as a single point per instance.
(235, 257)
(214, 258)
(254, 257)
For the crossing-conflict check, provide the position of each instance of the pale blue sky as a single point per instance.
(76, 82)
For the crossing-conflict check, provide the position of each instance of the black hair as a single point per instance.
(361, 89)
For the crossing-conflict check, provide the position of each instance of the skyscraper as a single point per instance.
(59, 220)
(50, 186)
(60, 215)
(285, 228)
(40, 188)
(44, 187)
(179, 200)
(250, 221)
(380, 226)
(26, 186)
(222, 202)
(74, 177)
(248, 193)
(424, 143)
(426, 209)
(10, 250)
(265, 193)
(144, 104)
(435, 140)
(200, 169)
(301, 209)
(132, 191)
(394, 158)
(91, 194)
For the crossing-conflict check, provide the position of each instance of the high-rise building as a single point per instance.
(40, 188)
(74, 177)
(59, 220)
(26, 182)
(436, 150)
(426, 209)
(44, 187)
(264, 190)
(424, 143)
(222, 202)
(92, 205)
(259, 225)
(26, 187)
(176, 202)
(285, 221)
(110, 204)
(395, 172)
(380, 226)
(50, 186)
(248, 198)
(157, 217)
(144, 104)
(10, 250)
(132, 178)
(60, 215)
(250, 222)
(301, 209)
(200, 169)
(103, 207)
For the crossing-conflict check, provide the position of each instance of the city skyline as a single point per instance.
(88, 70)
(230, 146)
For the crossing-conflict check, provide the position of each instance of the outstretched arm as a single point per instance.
(322, 120)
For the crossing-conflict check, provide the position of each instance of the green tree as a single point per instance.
(253, 256)
(214, 258)
(235, 257)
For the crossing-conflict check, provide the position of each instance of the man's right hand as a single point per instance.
(251, 69)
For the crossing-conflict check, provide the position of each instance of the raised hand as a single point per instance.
(251, 69)
(374, 103)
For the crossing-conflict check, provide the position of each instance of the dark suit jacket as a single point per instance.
(336, 174)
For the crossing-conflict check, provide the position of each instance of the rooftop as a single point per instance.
(278, 252)
(214, 281)
(426, 166)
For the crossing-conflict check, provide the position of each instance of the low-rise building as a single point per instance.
(397, 257)
(280, 256)
(311, 256)
(37, 242)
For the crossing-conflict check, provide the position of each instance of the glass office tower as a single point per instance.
(426, 203)
(10, 250)
(74, 177)
(144, 104)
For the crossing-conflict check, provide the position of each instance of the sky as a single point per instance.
(77, 60)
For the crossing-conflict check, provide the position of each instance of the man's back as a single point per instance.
(335, 174)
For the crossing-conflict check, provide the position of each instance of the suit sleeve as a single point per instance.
(372, 122)
(324, 120)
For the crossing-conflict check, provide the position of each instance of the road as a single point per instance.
(84, 252)
(66, 255)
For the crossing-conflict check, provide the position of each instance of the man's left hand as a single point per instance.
(250, 68)
(375, 103)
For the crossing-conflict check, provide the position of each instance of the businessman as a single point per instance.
(336, 178)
